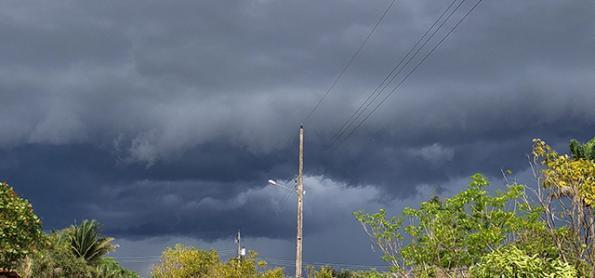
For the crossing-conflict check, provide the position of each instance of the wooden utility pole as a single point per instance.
(300, 206)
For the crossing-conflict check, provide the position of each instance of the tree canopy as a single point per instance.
(20, 228)
(188, 262)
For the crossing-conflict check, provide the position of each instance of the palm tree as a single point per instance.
(86, 242)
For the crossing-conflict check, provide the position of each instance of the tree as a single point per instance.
(20, 228)
(88, 244)
(182, 262)
(566, 192)
(447, 237)
(185, 262)
(247, 267)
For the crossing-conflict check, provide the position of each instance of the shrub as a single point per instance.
(513, 262)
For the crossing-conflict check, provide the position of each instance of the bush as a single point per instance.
(513, 262)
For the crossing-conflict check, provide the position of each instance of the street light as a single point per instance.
(272, 182)
(284, 186)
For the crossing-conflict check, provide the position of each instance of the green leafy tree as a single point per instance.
(445, 238)
(20, 228)
(88, 244)
(182, 262)
(185, 262)
(249, 266)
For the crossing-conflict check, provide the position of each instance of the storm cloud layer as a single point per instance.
(165, 118)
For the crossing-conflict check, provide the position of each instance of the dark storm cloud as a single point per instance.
(145, 115)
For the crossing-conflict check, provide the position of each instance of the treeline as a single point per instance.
(546, 229)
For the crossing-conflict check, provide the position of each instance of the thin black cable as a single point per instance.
(357, 114)
(414, 69)
(350, 61)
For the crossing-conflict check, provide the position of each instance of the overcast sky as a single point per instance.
(164, 119)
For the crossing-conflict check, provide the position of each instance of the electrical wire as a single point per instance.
(350, 61)
(288, 262)
(414, 69)
(375, 93)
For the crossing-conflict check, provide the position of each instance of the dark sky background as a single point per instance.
(164, 119)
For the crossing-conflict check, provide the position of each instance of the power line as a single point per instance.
(414, 69)
(375, 93)
(283, 261)
(350, 61)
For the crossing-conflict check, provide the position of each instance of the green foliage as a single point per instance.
(367, 274)
(447, 237)
(582, 151)
(108, 267)
(513, 262)
(182, 262)
(20, 228)
(457, 232)
(386, 235)
(323, 272)
(330, 272)
(56, 259)
(566, 174)
(88, 244)
(567, 196)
